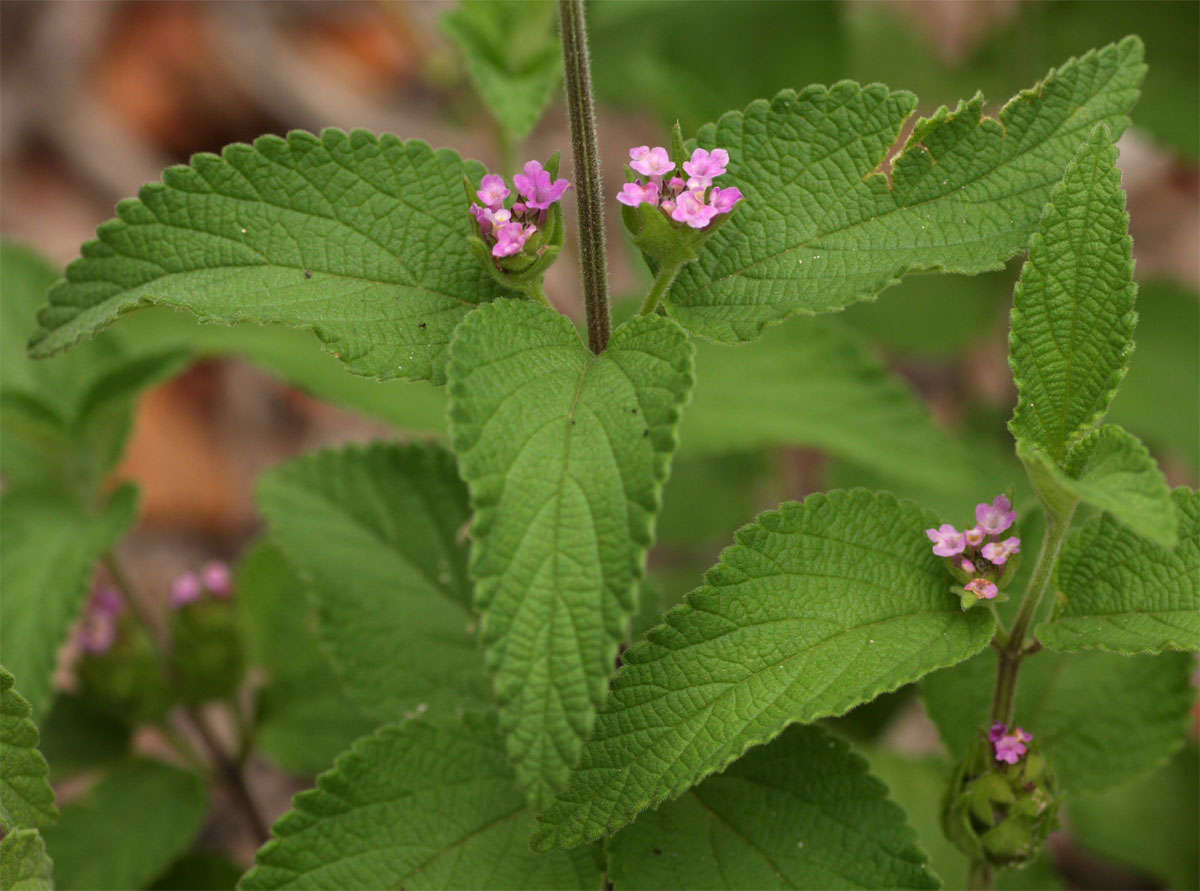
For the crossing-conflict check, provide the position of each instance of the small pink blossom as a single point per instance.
(982, 588)
(704, 166)
(511, 238)
(691, 209)
(975, 536)
(947, 541)
(724, 200)
(675, 185)
(217, 578)
(185, 589)
(994, 518)
(1009, 747)
(966, 565)
(537, 189)
(492, 190)
(668, 206)
(633, 194)
(998, 552)
(650, 161)
(106, 600)
(997, 730)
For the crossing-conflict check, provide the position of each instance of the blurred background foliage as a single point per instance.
(908, 393)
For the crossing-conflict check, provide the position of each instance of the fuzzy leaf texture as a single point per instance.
(26, 799)
(373, 534)
(421, 805)
(565, 454)
(24, 864)
(821, 228)
(50, 545)
(127, 828)
(1073, 315)
(512, 56)
(1121, 593)
(1100, 719)
(801, 812)
(359, 238)
(819, 606)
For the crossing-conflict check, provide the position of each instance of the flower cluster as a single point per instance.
(1009, 747)
(978, 556)
(506, 229)
(189, 587)
(694, 201)
(98, 631)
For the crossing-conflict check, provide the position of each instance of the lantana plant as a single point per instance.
(468, 619)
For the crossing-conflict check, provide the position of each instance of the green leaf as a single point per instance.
(420, 805)
(709, 496)
(356, 237)
(1110, 469)
(1152, 824)
(512, 55)
(50, 545)
(304, 719)
(199, 869)
(802, 812)
(1073, 316)
(818, 607)
(26, 799)
(24, 864)
(76, 735)
(820, 228)
(813, 382)
(128, 827)
(565, 454)
(374, 535)
(1121, 593)
(1100, 719)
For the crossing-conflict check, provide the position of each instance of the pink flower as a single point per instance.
(994, 518)
(633, 194)
(966, 565)
(217, 578)
(691, 209)
(947, 541)
(537, 189)
(982, 588)
(185, 589)
(650, 161)
(704, 166)
(511, 238)
(724, 200)
(675, 185)
(997, 730)
(493, 191)
(1009, 747)
(106, 600)
(975, 536)
(998, 552)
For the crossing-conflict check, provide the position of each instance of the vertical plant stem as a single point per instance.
(582, 113)
(228, 769)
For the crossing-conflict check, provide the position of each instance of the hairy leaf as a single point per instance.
(820, 227)
(818, 607)
(420, 805)
(50, 545)
(801, 812)
(26, 799)
(128, 827)
(356, 237)
(304, 718)
(1121, 593)
(1073, 316)
(1100, 719)
(24, 864)
(374, 535)
(512, 56)
(565, 454)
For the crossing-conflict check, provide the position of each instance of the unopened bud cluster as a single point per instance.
(979, 557)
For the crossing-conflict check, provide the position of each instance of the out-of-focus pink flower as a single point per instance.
(982, 588)
(217, 578)
(975, 536)
(1009, 747)
(185, 589)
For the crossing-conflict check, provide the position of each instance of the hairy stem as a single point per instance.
(662, 282)
(582, 113)
(228, 768)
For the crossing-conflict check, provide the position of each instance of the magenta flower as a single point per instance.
(994, 518)
(537, 189)
(704, 166)
(691, 209)
(493, 191)
(724, 200)
(634, 194)
(975, 536)
(217, 578)
(982, 588)
(185, 589)
(106, 600)
(650, 161)
(511, 238)
(997, 730)
(947, 541)
(998, 552)
(1009, 747)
